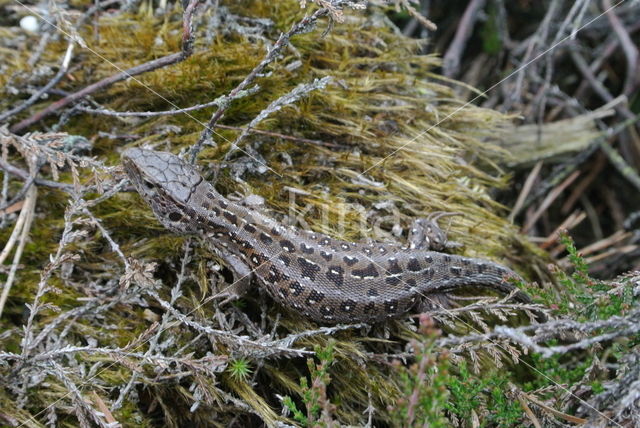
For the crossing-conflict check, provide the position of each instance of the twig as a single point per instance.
(552, 196)
(81, 407)
(55, 261)
(42, 44)
(283, 136)
(215, 102)
(526, 189)
(566, 417)
(102, 84)
(166, 317)
(97, 7)
(36, 96)
(187, 50)
(243, 344)
(105, 233)
(451, 60)
(621, 165)
(582, 186)
(104, 409)
(4, 196)
(540, 100)
(23, 226)
(14, 236)
(615, 238)
(532, 44)
(291, 97)
(305, 25)
(23, 191)
(616, 251)
(597, 63)
(39, 181)
(426, 23)
(562, 171)
(629, 49)
(531, 336)
(527, 410)
(598, 87)
(569, 223)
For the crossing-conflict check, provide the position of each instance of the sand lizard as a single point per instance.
(325, 279)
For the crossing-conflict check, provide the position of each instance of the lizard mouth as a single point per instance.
(144, 187)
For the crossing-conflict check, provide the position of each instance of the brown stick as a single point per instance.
(552, 196)
(629, 49)
(451, 60)
(10, 169)
(187, 50)
(139, 69)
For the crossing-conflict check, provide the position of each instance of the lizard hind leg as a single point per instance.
(425, 233)
(434, 302)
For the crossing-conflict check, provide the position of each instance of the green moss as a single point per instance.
(240, 369)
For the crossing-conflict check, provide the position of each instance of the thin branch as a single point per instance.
(217, 102)
(22, 192)
(629, 49)
(283, 136)
(304, 26)
(64, 67)
(187, 50)
(290, 97)
(451, 60)
(6, 166)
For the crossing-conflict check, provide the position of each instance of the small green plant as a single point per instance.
(504, 411)
(239, 369)
(558, 369)
(465, 392)
(588, 292)
(423, 384)
(318, 408)
(583, 299)
(470, 392)
(490, 33)
(581, 268)
(575, 284)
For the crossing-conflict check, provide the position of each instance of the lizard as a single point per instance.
(325, 279)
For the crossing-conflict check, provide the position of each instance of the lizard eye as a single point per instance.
(147, 184)
(174, 216)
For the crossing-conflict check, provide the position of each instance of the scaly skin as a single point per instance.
(322, 278)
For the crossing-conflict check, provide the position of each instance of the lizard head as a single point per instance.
(160, 173)
(166, 182)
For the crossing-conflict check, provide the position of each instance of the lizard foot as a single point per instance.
(425, 233)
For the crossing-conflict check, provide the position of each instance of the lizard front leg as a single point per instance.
(242, 276)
